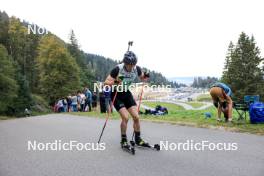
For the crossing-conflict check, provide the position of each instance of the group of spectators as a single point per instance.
(83, 101)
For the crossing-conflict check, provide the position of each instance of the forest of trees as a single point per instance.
(36, 70)
(200, 82)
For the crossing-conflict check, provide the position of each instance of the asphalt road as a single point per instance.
(17, 160)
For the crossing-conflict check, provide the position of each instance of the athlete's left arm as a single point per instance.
(142, 75)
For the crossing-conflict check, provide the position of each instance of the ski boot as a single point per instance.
(142, 144)
(125, 146)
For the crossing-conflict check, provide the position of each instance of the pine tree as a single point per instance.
(242, 68)
(74, 46)
(86, 72)
(229, 55)
(74, 50)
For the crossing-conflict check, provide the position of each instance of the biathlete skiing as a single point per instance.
(124, 74)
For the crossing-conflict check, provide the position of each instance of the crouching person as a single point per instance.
(221, 95)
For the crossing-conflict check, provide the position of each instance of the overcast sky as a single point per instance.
(176, 38)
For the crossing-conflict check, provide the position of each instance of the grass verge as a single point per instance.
(6, 117)
(195, 104)
(195, 118)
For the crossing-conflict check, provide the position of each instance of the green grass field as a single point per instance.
(196, 118)
(169, 106)
(195, 104)
(204, 97)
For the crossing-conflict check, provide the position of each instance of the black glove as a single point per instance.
(146, 75)
(119, 79)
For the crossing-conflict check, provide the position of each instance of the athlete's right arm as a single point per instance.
(109, 80)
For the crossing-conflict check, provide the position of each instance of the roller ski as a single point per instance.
(140, 143)
(128, 148)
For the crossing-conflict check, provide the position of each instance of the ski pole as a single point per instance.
(108, 115)
(121, 77)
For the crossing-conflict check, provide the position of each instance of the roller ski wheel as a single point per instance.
(126, 147)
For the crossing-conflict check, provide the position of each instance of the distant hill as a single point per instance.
(197, 81)
(183, 80)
